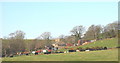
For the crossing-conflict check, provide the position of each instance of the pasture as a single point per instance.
(102, 55)
(109, 43)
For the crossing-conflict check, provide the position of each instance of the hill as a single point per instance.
(104, 55)
(100, 55)
(109, 43)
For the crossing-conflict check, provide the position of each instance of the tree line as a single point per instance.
(15, 42)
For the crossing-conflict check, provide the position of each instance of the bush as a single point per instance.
(105, 48)
(79, 48)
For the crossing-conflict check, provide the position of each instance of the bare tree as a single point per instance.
(70, 39)
(17, 42)
(14, 43)
(62, 38)
(46, 36)
(111, 30)
(78, 32)
(17, 35)
(5, 47)
(93, 32)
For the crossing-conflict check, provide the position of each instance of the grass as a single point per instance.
(103, 55)
(110, 43)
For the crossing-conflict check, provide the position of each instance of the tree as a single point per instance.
(62, 38)
(70, 39)
(30, 44)
(16, 42)
(78, 32)
(111, 30)
(17, 35)
(46, 36)
(93, 32)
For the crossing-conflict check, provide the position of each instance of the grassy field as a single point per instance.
(103, 55)
(110, 43)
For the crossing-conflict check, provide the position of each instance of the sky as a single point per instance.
(59, 0)
(34, 18)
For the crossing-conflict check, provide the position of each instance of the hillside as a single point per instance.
(109, 43)
(104, 55)
(100, 55)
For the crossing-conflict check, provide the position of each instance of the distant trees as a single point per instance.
(101, 32)
(77, 32)
(39, 42)
(70, 39)
(17, 35)
(93, 32)
(17, 41)
(5, 47)
(111, 30)
(46, 36)
(43, 40)
(14, 43)
(30, 44)
(61, 37)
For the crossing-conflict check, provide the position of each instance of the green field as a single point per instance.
(109, 43)
(104, 55)
(101, 55)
